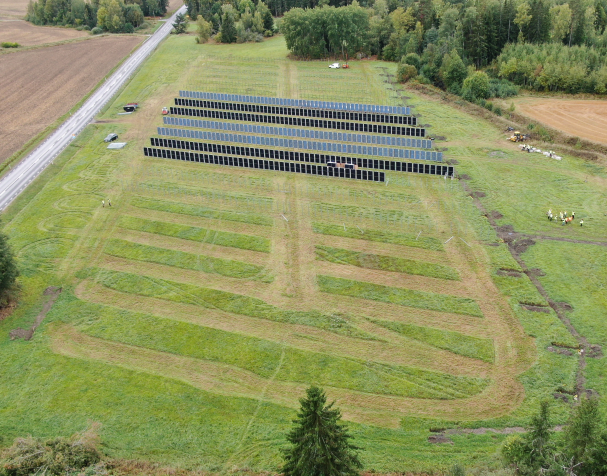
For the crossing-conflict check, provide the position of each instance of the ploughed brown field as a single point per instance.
(40, 85)
(14, 9)
(586, 119)
(26, 34)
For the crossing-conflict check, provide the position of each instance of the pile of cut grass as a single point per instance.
(385, 263)
(382, 236)
(400, 296)
(213, 299)
(193, 233)
(181, 259)
(200, 211)
(468, 346)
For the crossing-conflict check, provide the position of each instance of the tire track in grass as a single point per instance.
(260, 402)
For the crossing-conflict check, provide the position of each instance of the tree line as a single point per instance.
(240, 22)
(540, 44)
(116, 16)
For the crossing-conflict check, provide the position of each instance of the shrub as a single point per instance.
(8, 44)
(203, 30)
(477, 85)
(412, 59)
(489, 106)
(497, 110)
(405, 72)
(96, 31)
(502, 88)
(421, 79)
(128, 28)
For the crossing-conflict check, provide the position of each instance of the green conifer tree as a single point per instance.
(228, 28)
(319, 442)
(8, 270)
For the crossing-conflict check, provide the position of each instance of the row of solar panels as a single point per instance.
(378, 164)
(342, 106)
(298, 111)
(300, 133)
(311, 169)
(303, 144)
(301, 121)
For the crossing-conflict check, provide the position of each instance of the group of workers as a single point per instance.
(563, 217)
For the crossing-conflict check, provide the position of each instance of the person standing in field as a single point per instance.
(103, 203)
(109, 202)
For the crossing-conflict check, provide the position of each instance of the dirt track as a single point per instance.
(40, 85)
(26, 34)
(586, 119)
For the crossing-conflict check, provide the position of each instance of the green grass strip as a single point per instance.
(199, 211)
(384, 263)
(181, 259)
(427, 242)
(468, 346)
(263, 357)
(193, 233)
(214, 299)
(403, 297)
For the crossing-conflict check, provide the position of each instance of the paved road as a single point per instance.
(13, 183)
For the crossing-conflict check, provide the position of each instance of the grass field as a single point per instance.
(198, 308)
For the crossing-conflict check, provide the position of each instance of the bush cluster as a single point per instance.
(115, 16)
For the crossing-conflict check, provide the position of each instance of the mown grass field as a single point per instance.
(196, 310)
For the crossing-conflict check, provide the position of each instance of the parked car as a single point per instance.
(111, 137)
(334, 66)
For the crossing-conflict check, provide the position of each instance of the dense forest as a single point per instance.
(103, 15)
(536, 44)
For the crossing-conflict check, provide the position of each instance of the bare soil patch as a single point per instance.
(27, 34)
(27, 334)
(508, 272)
(531, 307)
(439, 438)
(587, 119)
(40, 85)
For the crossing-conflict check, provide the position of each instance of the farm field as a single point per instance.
(197, 309)
(39, 86)
(27, 34)
(579, 118)
(13, 9)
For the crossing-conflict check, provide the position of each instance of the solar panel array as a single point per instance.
(300, 149)
(303, 144)
(341, 106)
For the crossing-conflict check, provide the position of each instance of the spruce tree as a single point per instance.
(8, 270)
(228, 28)
(319, 442)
